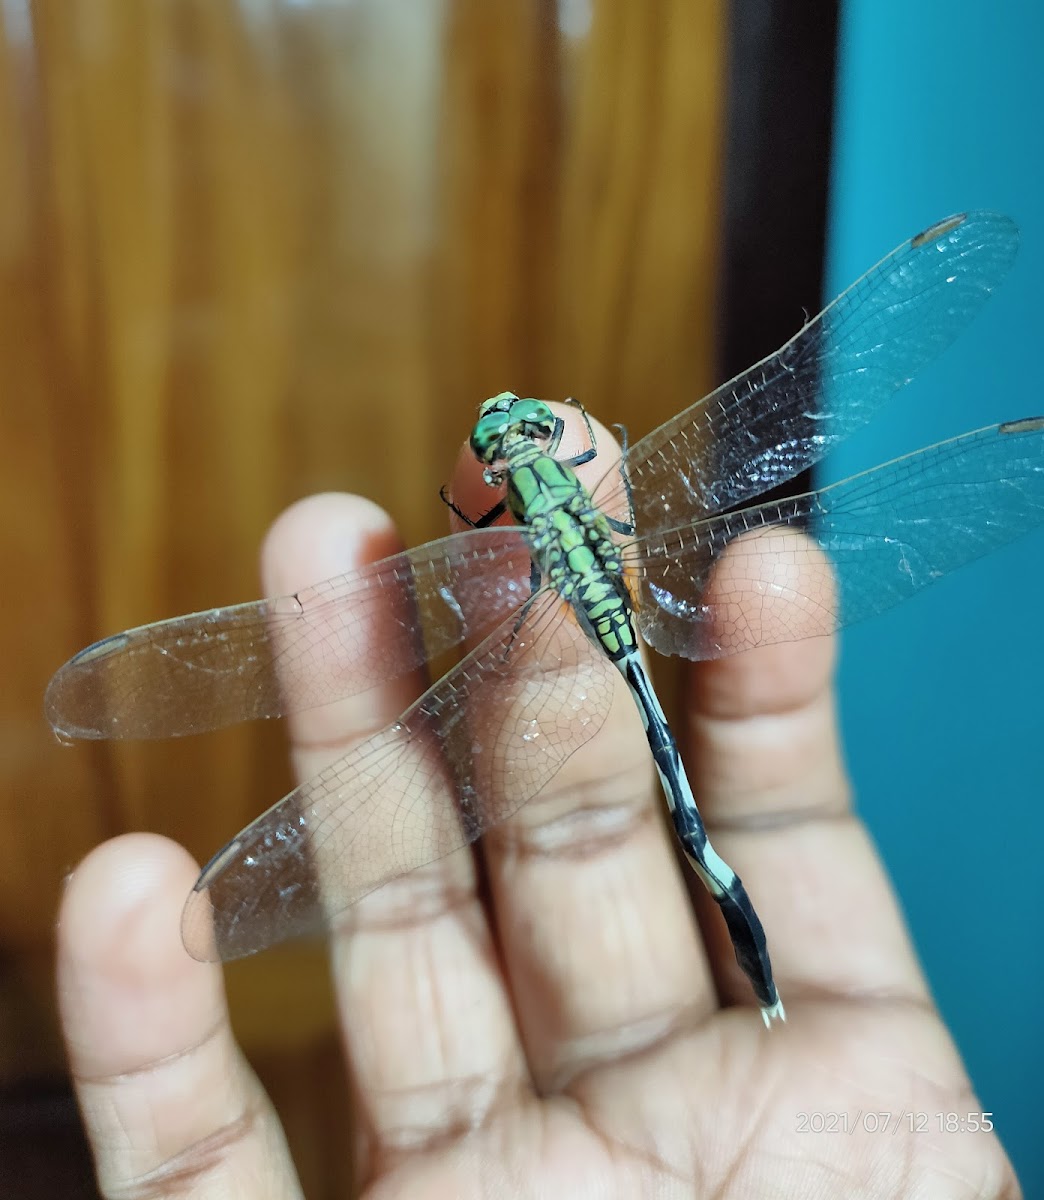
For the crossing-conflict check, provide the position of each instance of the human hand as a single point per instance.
(578, 1026)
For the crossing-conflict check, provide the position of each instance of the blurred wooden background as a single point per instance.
(252, 250)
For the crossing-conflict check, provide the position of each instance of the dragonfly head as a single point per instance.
(507, 414)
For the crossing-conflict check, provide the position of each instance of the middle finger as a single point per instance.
(596, 931)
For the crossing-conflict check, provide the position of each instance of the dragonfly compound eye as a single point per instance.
(487, 436)
(534, 418)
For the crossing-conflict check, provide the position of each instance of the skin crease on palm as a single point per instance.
(579, 1029)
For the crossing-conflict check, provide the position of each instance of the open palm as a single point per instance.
(564, 1017)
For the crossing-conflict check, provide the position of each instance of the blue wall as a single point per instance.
(941, 109)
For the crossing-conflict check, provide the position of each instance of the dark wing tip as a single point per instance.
(938, 230)
(1026, 425)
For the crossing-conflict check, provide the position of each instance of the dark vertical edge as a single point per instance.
(779, 117)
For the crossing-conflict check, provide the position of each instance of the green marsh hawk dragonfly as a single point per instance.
(548, 605)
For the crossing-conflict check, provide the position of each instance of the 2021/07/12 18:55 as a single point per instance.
(882, 1121)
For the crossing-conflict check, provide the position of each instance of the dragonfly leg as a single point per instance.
(624, 527)
(482, 522)
(536, 586)
(585, 456)
(555, 440)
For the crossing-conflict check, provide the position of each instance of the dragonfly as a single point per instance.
(546, 610)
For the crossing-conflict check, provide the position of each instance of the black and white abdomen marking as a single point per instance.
(745, 929)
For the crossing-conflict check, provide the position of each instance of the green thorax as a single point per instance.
(538, 485)
(571, 540)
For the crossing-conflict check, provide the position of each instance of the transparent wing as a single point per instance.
(872, 541)
(212, 669)
(476, 747)
(786, 412)
(339, 638)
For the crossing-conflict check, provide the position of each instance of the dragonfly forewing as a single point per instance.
(786, 412)
(271, 657)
